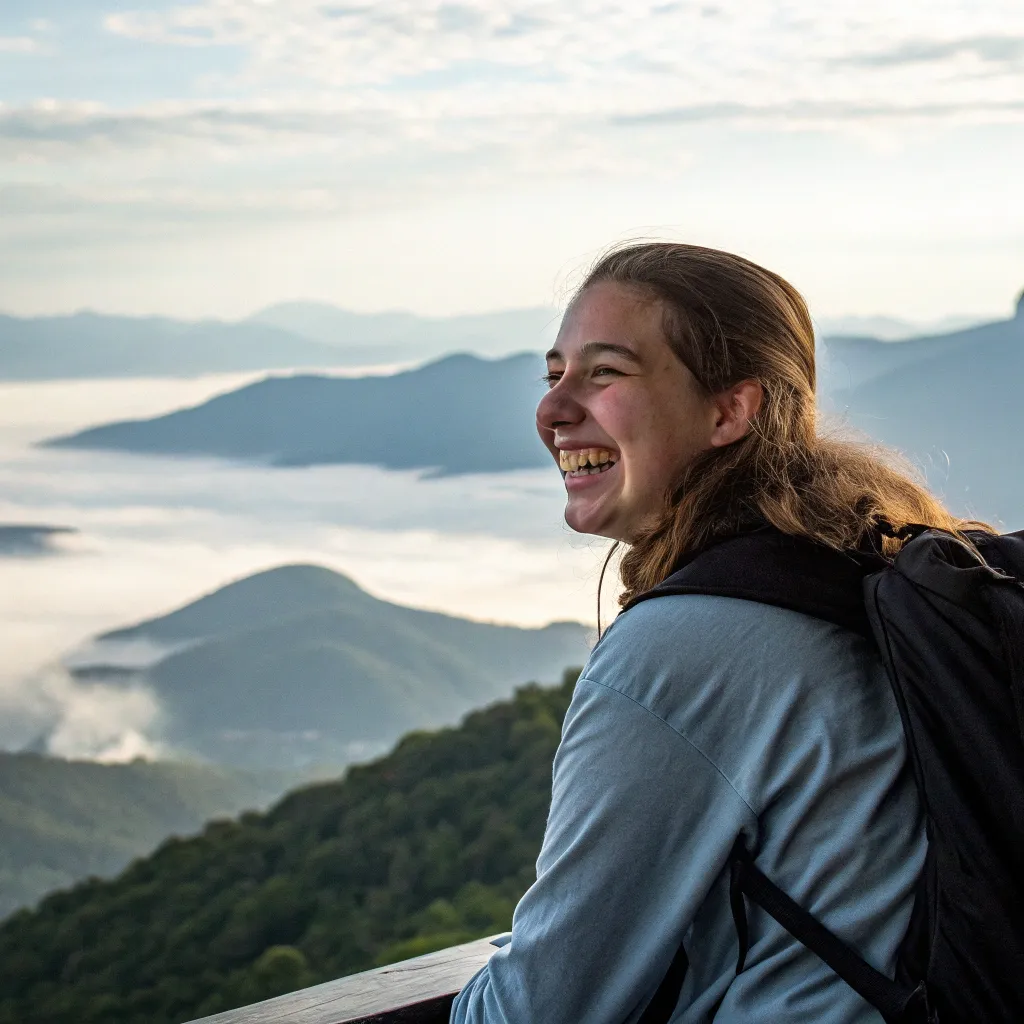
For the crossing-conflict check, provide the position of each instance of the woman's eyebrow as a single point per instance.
(593, 348)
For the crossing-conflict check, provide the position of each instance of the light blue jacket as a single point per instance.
(698, 719)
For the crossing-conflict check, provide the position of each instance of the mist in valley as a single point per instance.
(153, 533)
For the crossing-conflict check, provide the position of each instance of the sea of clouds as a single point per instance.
(155, 533)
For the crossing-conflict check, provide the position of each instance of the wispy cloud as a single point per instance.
(592, 51)
(97, 721)
(88, 126)
(223, 110)
(19, 44)
(409, 80)
(994, 49)
(340, 102)
(824, 114)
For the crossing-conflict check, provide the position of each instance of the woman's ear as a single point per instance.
(735, 408)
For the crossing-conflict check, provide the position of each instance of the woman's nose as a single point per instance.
(558, 408)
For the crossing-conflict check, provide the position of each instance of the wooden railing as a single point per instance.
(418, 991)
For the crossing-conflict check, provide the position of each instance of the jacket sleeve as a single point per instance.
(641, 825)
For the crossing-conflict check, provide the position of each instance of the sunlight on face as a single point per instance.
(622, 403)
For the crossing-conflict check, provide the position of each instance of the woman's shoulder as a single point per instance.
(747, 683)
(689, 636)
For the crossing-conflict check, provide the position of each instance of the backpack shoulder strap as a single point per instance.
(894, 1001)
(771, 567)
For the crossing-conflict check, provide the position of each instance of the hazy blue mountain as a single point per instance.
(61, 821)
(27, 539)
(954, 403)
(92, 345)
(298, 664)
(461, 414)
(889, 328)
(401, 336)
(950, 397)
(850, 361)
(291, 335)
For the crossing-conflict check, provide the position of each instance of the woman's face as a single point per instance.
(623, 416)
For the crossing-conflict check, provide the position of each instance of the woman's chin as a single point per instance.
(591, 503)
(584, 517)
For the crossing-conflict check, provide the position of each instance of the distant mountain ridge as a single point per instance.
(299, 665)
(461, 414)
(306, 335)
(401, 335)
(286, 336)
(61, 821)
(850, 361)
(890, 328)
(952, 402)
(92, 345)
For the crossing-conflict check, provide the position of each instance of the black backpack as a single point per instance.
(948, 621)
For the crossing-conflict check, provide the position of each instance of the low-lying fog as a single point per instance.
(154, 533)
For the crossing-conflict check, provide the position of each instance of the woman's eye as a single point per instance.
(602, 370)
(551, 379)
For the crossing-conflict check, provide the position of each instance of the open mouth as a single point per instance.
(586, 461)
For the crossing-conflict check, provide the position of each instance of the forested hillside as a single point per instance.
(61, 821)
(429, 846)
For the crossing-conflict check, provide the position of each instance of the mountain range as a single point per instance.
(429, 846)
(93, 345)
(298, 666)
(950, 402)
(461, 414)
(290, 335)
(405, 336)
(285, 336)
(61, 821)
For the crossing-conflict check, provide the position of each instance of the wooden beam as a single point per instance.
(418, 991)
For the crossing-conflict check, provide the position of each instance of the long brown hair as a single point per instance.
(730, 320)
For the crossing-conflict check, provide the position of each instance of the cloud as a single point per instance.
(19, 44)
(333, 104)
(393, 94)
(182, 127)
(102, 722)
(91, 125)
(820, 114)
(987, 49)
(72, 719)
(586, 50)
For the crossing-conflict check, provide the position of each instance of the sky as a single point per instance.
(208, 158)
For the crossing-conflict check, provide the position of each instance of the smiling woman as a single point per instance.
(681, 412)
(634, 398)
